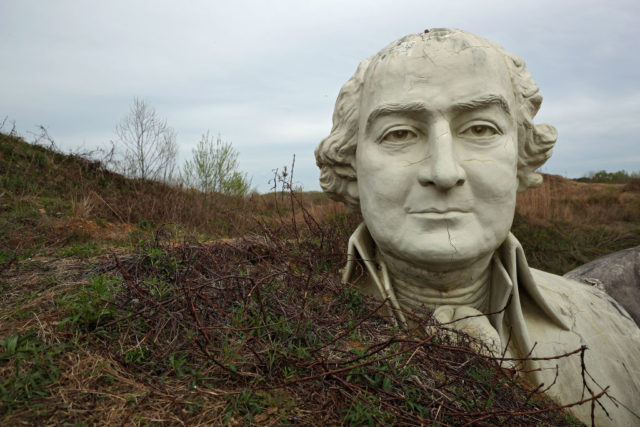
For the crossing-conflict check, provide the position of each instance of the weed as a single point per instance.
(194, 406)
(177, 361)
(34, 369)
(365, 411)
(137, 355)
(481, 374)
(158, 288)
(413, 401)
(92, 304)
(162, 264)
(87, 249)
(145, 225)
(5, 257)
(353, 299)
(244, 404)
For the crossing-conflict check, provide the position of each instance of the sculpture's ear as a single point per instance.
(340, 184)
(532, 180)
(534, 152)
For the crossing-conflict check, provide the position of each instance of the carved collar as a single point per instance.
(510, 275)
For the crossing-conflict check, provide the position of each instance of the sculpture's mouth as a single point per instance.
(436, 210)
(436, 213)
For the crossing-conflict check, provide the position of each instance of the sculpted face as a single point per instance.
(437, 153)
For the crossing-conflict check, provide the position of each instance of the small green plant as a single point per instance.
(163, 263)
(92, 304)
(177, 361)
(136, 355)
(6, 256)
(354, 300)
(413, 398)
(81, 250)
(365, 411)
(145, 225)
(34, 368)
(480, 373)
(158, 288)
(245, 404)
(194, 406)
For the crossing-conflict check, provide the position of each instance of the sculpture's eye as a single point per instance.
(399, 136)
(480, 131)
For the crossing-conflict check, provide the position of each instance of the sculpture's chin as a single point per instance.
(441, 248)
(439, 258)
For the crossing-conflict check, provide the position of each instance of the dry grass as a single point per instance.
(559, 199)
(50, 200)
(564, 224)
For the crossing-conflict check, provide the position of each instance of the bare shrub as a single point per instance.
(149, 144)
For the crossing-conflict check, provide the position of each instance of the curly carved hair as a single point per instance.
(335, 156)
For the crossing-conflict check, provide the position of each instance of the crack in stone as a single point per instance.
(418, 161)
(455, 250)
(478, 160)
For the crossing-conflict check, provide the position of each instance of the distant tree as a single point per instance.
(149, 144)
(602, 176)
(214, 168)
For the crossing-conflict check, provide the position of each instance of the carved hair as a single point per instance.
(335, 156)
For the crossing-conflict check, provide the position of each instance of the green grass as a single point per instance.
(560, 247)
(29, 368)
(365, 411)
(80, 250)
(92, 305)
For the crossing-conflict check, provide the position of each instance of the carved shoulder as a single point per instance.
(612, 338)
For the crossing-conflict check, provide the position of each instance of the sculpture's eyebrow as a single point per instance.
(483, 102)
(393, 108)
(420, 107)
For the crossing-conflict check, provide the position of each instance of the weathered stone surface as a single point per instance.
(618, 274)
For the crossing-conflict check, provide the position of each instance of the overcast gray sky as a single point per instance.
(265, 74)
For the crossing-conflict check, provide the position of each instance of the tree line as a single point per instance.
(602, 176)
(146, 148)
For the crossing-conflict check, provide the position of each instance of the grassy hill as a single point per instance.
(136, 302)
(564, 223)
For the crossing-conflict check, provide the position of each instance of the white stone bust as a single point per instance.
(432, 138)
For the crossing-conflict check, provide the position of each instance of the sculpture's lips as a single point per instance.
(436, 213)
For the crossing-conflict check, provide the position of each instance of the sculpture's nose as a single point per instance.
(441, 168)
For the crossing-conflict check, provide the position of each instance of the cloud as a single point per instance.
(596, 131)
(265, 74)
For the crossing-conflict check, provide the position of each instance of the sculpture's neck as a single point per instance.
(418, 286)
